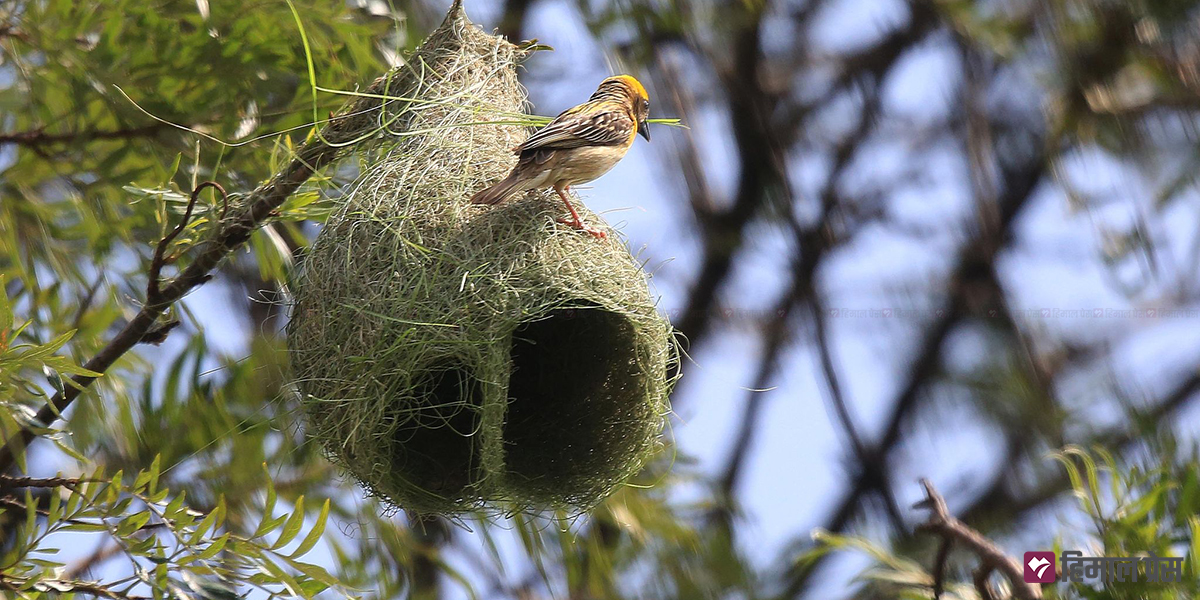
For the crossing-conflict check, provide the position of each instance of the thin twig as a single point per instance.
(939, 567)
(38, 138)
(74, 587)
(944, 524)
(980, 579)
(1019, 187)
(86, 302)
(231, 233)
(832, 382)
(153, 293)
(761, 153)
(103, 552)
(12, 502)
(812, 243)
(41, 482)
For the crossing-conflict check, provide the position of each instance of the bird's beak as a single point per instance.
(644, 130)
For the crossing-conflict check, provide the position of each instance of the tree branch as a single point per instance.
(980, 579)
(944, 524)
(153, 291)
(37, 138)
(41, 482)
(61, 586)
(764, 126)
(812, 244)
(973, 262)
(231, 233)
(939, 567)
(103, 553)
(513, 18)
(1000, 502)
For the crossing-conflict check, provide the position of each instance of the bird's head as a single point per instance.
(627, 89)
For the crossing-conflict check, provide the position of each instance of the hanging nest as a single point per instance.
(452, 356)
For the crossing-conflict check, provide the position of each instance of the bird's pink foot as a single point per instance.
(577, 224)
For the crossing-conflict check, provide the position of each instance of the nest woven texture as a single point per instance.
(453, 356)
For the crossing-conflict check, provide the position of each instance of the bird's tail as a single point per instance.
(497, 193)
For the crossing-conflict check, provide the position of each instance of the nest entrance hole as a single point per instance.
(436, 446)
(576, 399)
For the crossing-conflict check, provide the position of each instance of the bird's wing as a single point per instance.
(583, 126)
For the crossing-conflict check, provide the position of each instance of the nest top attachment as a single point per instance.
(453, 356)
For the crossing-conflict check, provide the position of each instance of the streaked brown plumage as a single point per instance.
(578, 146)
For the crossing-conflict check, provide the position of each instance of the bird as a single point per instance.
(579, 145)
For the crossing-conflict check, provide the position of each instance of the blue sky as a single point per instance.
(797, 466)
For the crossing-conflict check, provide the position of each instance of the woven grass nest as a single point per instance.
(453, 356)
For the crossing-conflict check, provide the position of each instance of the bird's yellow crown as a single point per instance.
(627, 81)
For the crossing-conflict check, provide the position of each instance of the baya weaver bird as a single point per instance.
(578, 146)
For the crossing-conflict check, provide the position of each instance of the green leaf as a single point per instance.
(315, 571)
(140, 482)
(280, 576)
(268, 523)
(30, 513)
(54, 511)
(6, 316)
(1194, 527)
(175, 505)
(220, 510)
(174, 166)
(160, 495)
(73, 500)
(132, 523)
(294, 523)
(39, 352)
(213, 548)
(56, 380)
(84, 527)
(314, 535)
(309, 588)
(68, 450)
(142, 546)
(203, 528)
(114, 487)
(121, 506)
(155, 468)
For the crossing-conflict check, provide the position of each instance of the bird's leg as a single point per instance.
(575, 221)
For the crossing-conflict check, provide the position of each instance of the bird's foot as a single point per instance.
(577, 224)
